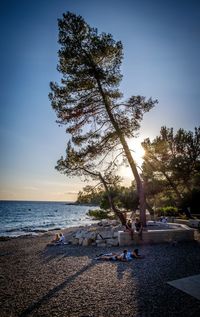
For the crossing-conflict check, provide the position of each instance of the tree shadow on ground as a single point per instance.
(53, 292)
(58, 253)
(53, 252)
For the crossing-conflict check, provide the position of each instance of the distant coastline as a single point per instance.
(81, 204)
(75, 203)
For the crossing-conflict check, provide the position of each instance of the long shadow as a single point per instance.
(52, 252)
(54, 291)
(122, 267)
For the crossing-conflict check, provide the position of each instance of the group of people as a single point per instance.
(59, 239)
(132, 226)
(163, 219)
(124, 256)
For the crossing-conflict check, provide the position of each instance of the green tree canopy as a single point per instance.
(88, 100)
(172, 161)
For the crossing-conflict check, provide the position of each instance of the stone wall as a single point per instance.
(103, 234)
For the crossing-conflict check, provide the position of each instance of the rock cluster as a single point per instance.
(104, 233)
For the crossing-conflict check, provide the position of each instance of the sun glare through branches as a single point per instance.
(137, 153)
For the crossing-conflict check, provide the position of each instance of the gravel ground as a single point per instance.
(40, 280)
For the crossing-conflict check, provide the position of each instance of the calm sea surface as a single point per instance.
(31, 217)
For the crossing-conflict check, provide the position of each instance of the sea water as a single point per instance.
(31, 217)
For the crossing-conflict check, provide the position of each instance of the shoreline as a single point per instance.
(46, 233)
(38, 232)
(65, 231)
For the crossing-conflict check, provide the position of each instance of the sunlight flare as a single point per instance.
(137, 153)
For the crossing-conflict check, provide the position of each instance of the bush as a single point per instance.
(168, 211)
(98, 214)
(184, 217)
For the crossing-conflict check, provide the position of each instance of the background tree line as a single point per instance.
(171, 173)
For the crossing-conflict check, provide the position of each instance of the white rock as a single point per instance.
(114, 222)
(117, 228)
(80, 234)
(91, 235)
(102, 244)
(98, 241)
(106, 233)
(80, 241)
(86, 242)
(75, 241)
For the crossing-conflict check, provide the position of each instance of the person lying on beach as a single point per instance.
(130, 255)
(111, 257)
(124, 256)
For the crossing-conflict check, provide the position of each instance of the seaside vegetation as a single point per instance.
(99, 123)
(100, 214)
(168, 211)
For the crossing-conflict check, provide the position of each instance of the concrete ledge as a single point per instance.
(178, 233)
(124, 238)
(181, 221)
(194, 223)
(168, 235)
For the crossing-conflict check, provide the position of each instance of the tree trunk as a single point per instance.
(187, 213)
(139, 184)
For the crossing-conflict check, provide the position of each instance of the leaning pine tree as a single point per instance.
(88, 99)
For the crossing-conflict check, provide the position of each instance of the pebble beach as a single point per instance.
(66, 280)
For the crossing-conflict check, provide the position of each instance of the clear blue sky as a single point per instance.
(161, 59)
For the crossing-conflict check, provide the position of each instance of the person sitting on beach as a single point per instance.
(59, 239)
(138, 227)
(164, 220)
(62, 238)
(129, 228)
(129, 224)
(56, 239)
(161, 219)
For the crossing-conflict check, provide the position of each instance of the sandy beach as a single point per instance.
(40, 280)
